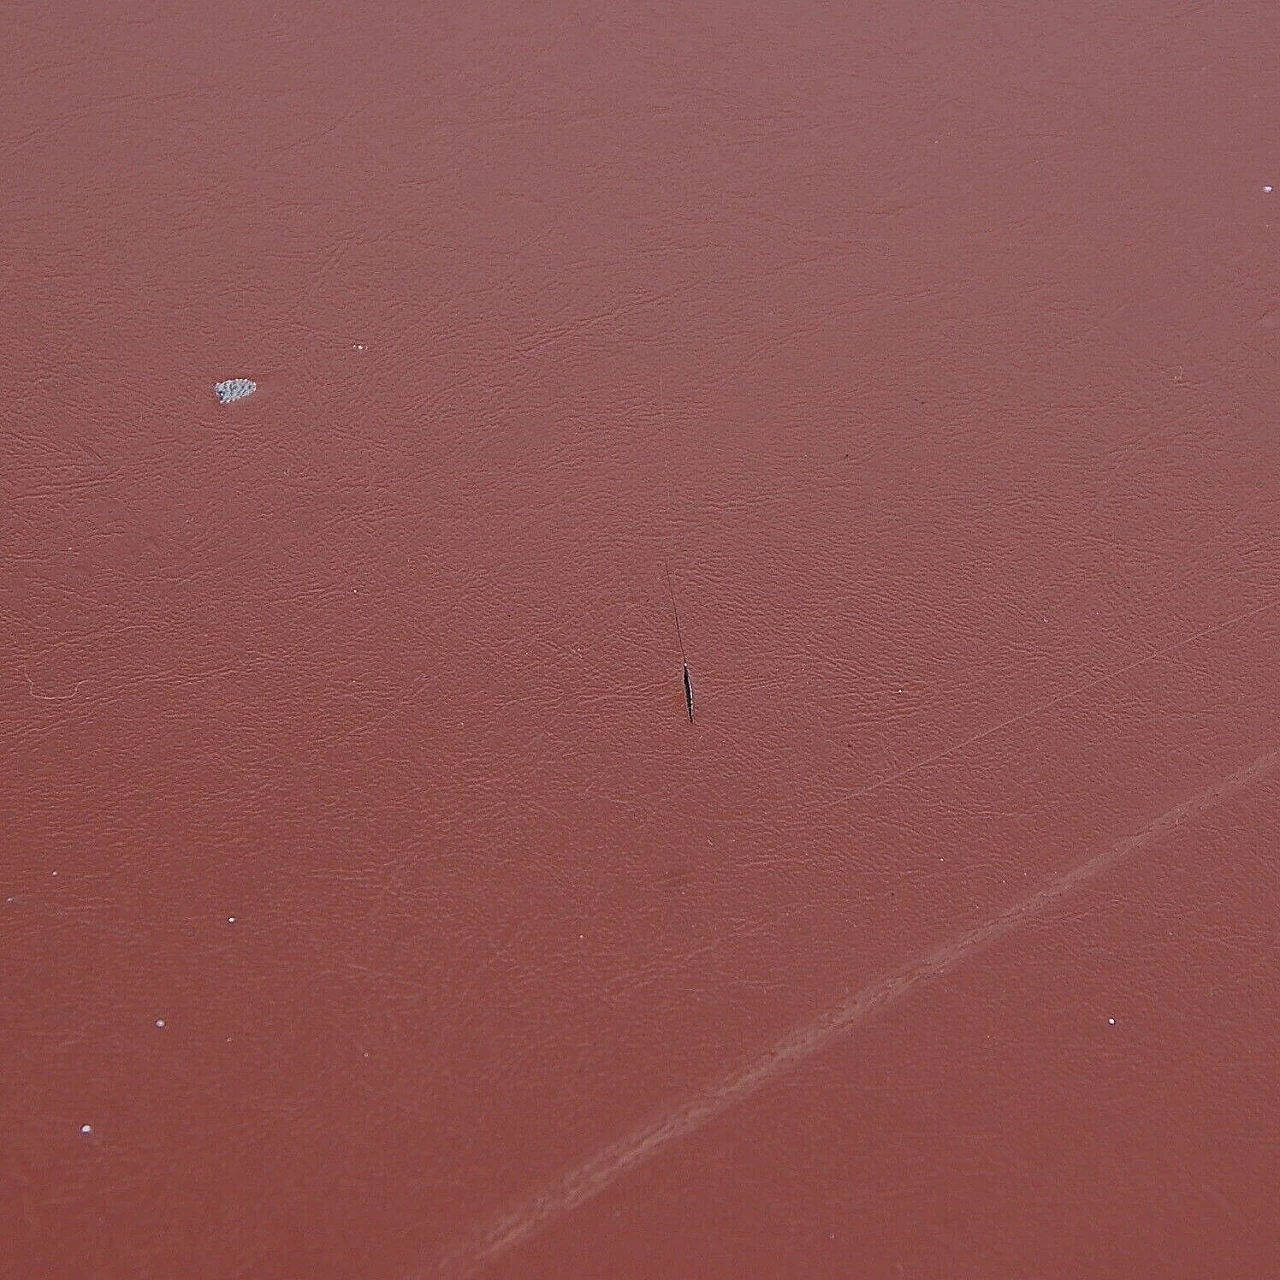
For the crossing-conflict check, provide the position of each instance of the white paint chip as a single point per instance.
(1111, 1021)
(234, 389)
(231, 919)
(1268, 190)
(160, 1022)
(86, 1128)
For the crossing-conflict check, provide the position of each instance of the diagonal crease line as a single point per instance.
(587, 1180)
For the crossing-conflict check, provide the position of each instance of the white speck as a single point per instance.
(1268, 190)
(1111, 1021)
(54, 873)
(86, 1128)
(359, 346)
(231, 919)
(160, 1023)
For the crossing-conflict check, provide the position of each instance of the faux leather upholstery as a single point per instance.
(371, 906)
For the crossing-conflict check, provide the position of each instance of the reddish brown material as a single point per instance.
(371, 906)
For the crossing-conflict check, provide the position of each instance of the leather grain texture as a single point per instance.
(372, 905)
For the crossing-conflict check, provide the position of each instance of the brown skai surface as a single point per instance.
(901, 379)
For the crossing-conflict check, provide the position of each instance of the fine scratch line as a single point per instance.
(588, 1179)
(50, 697)
(1040, 708)
(688, 683)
